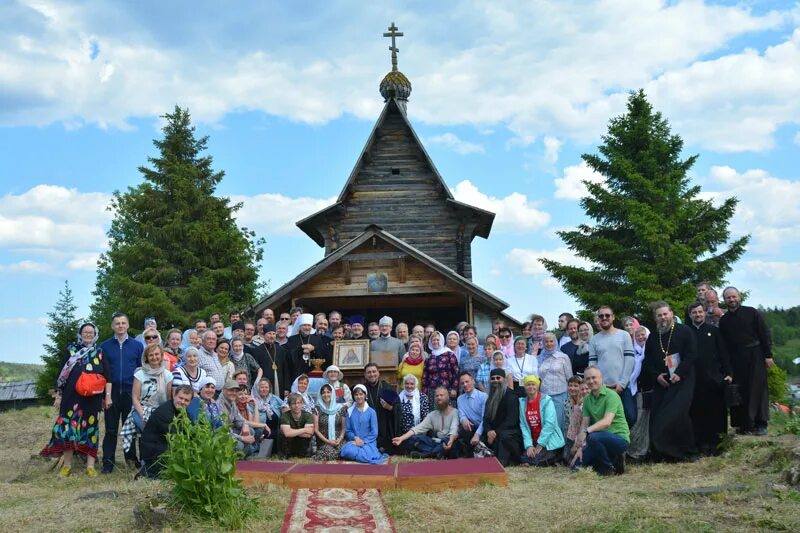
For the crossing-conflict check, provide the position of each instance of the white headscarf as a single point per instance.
(302, 320)
(442, 347)
(414, 399)
(352, 407)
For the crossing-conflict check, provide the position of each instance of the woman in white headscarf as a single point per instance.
(329, 425)
(411, 407)
(340, 390)
(362, 431)
(441, 369)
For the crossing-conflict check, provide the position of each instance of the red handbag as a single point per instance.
(90, 384)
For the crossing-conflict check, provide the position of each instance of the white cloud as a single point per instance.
(276, 214)
(773, 270)
(27, 267)
(56, 217)
(84, 261)
(540, 68)
(527, 260)
(514, 213)
(769, 207)
(451, 141)
(23, 321)
(571, 187)
(552, 146)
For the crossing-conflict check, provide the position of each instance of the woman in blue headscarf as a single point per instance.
(329, 424)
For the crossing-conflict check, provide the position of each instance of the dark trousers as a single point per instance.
(629, 406)
(121, 403)
(464, 438)
(427, 446)
(602, 449)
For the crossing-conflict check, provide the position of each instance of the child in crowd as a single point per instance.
(573, 411)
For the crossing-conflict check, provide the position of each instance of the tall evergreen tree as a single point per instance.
(175, 249)
(62, 330)
(653, 237)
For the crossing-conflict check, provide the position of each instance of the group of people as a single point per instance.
(586, 394)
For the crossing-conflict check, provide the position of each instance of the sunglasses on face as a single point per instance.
(604, 316)
(505, 336)
(150, 338)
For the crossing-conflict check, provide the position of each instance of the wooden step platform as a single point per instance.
(420, 476)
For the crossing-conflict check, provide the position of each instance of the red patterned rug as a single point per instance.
(337, 511)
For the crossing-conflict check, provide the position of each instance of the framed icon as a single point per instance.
(351, 354)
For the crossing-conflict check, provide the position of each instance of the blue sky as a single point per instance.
(506, 96)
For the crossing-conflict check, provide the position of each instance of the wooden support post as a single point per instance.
(402, 268)
(470, 317)
(346, 272)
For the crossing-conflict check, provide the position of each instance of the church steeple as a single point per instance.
(395, 84)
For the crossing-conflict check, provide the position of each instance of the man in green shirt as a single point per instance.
(604, 434)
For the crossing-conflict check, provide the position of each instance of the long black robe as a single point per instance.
(749, 343)
(708, 411)
(507, 447)
(671, 429)
(294, 350)
(386, 425)
(265, 355)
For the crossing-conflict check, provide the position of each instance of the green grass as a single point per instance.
(550, 499)
(18, 371)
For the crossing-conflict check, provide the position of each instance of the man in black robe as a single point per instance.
(376, 389)
(501, 432)
(304, 347)
(713, 370)
(274, 362)
(153, 442)
(669, 357)
(749, 344)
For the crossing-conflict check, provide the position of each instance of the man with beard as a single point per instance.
(321, 325)
(713, 311)
(356, 327)
(274, 362)
(302, 348)
(570, 345)
(668, 368)
(386, 343)
(401, 332)
(749, 344)
(713, 368)
(373, 330)
(377, 390)
(563, 321)
(501, 432)
(268, 315)
(436, 435)
(611, 350)
(334, 319)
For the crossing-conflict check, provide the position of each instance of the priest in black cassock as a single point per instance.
(669, 357)
(377, 392)
(750, 347)
(274, 362)
(713, 368)
(501, 430)
(304, 347)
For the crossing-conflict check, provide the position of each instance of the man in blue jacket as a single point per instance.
(124, 356)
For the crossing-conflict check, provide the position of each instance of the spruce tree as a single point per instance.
(653, 236)
(62, 330)
(175, 250)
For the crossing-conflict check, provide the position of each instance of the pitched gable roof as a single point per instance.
(373, 230)
(310, 224)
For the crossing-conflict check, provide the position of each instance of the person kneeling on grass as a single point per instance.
(436, 435)
(362, 431)
(297, 428)
(154, 436)
(604, 434)
(538, 420)
(240, 429)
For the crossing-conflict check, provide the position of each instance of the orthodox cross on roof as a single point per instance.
(393, 33)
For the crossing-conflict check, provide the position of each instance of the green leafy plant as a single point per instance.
(200, 463)
(777, 384)
(785, 424)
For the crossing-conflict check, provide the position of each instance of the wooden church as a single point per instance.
(396, 241)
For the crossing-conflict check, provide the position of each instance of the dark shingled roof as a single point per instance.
(17, 390)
